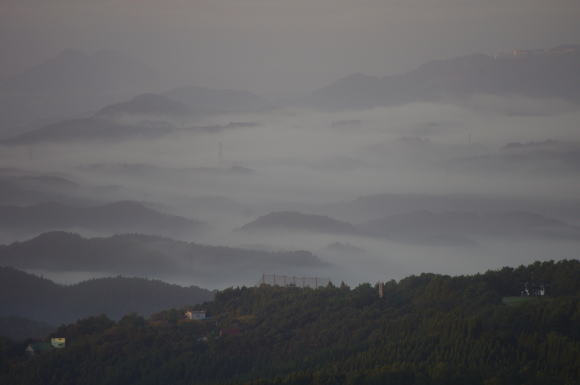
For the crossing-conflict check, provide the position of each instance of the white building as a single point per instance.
(195, 314)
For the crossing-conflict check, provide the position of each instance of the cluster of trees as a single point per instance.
(427, 329)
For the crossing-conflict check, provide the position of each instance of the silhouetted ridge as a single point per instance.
(546, 74)
(69, 84)
(138, 254)
(124, 216)
(26, 295)
(146, 104)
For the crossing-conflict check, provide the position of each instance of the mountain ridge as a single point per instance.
(426, 329)
(547, 74)
(120, 216)
(149, 255)
(57, 88)
(27, 295)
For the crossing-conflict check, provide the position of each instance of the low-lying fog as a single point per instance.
(485, 155)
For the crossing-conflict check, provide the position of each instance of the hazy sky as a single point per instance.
(304, 160)
(279, 46)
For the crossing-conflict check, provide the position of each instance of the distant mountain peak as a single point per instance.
(69, 84)
(145, 104)
(545, 73)
(123, 216)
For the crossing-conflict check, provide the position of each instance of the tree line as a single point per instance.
(427, 329)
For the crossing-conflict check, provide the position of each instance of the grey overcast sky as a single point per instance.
(279, 47)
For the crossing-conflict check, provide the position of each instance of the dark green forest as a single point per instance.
(427, 329)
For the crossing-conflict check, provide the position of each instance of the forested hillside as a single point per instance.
(427, 329)
(39, 299)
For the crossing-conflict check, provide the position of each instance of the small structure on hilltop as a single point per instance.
(531, 290)
(381, 289)
(58, 342)
(197, 315)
